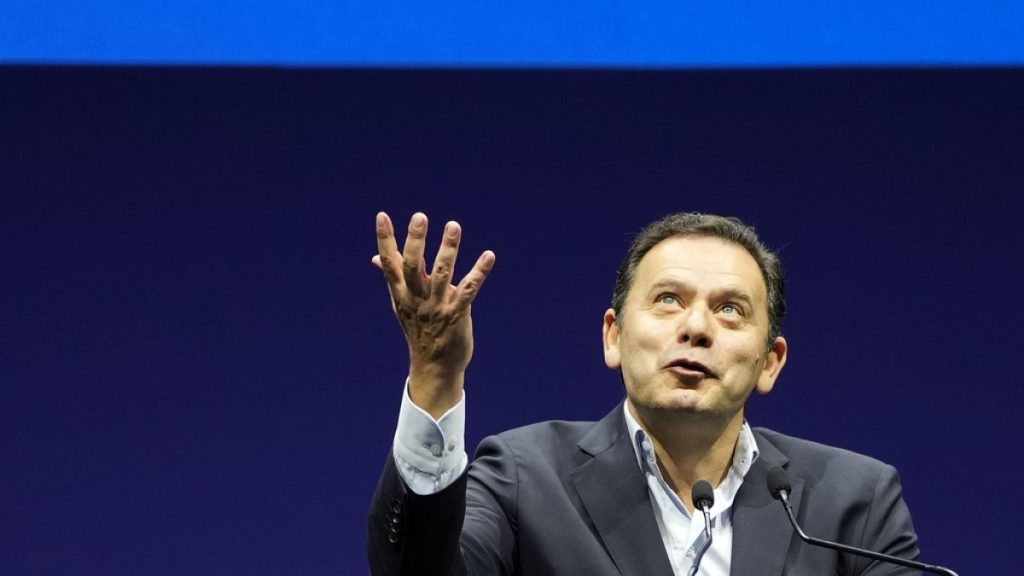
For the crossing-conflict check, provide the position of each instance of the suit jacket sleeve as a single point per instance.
(467, 528)
(887, 528)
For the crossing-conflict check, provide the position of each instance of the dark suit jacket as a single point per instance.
(569, 498)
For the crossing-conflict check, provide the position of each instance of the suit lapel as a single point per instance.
(761, 531)
(614, 493)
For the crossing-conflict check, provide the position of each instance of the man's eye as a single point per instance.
(667, 299)
(729, 309)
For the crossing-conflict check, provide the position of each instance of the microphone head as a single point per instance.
(778, 482)
(703, 495)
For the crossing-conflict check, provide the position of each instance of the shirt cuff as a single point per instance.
(430, 454)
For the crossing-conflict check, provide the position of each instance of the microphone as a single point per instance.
(779, 486)
(703, 498)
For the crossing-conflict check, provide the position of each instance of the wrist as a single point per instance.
(435, 391)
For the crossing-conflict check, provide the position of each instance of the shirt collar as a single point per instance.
(743, 457)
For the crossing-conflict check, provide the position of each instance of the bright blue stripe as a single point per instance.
(570, 33)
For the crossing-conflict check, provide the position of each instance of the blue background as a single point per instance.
(571, 33)
(199, 371)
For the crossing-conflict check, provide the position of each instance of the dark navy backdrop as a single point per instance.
(199, 371)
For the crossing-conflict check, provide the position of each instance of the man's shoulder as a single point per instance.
(810, 456)
(548, 432)
(589, 434)
(551, 443)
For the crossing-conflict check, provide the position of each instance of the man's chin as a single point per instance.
(681, 401)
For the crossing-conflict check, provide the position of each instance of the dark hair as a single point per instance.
(707, 225)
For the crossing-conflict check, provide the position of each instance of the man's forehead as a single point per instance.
(688, 258)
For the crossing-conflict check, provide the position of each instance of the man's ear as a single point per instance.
(772, 366)
(610, 333)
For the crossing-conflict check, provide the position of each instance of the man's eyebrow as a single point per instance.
(734, 293)
(673, 283)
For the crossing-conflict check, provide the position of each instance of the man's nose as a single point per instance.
(696, 327)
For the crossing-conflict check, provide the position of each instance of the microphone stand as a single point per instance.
(707, 541)
(703, 498)
(784, 497)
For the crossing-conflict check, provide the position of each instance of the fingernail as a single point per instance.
(381, 219)
(418, 220)
(451, 230)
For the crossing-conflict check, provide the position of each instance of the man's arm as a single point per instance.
(888, 529)
(410, 533)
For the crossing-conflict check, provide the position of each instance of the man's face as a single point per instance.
(693, 330)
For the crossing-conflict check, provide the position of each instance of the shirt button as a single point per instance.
(453, 443)
(689, 553)
(435, 450)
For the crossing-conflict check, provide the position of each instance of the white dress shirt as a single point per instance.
(682, 534)
(431, 454)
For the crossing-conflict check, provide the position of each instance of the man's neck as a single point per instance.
(690, 447)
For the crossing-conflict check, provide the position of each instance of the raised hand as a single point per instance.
(434, 313)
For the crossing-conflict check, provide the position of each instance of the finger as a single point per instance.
(444, 264)
(388, 259)
(469, 287)
(391, 288)
(413, 266)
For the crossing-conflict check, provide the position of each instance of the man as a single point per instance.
(693, 329)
